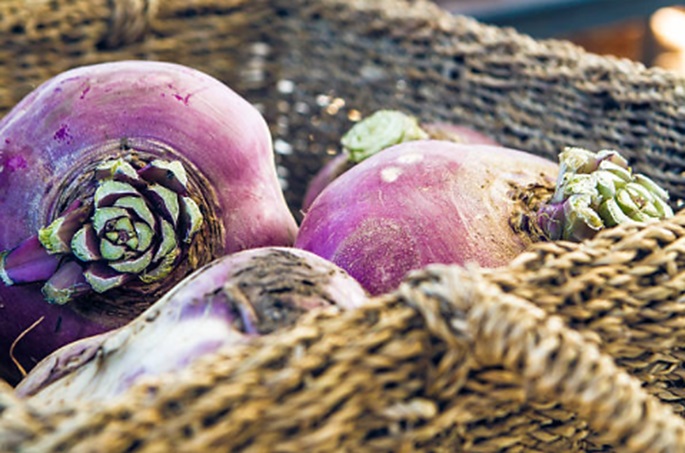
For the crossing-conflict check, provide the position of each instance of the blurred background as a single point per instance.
(649, 31)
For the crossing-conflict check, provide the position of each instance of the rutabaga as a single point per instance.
(116, 181)
(227, 302)
(422, 202)
(430, 201)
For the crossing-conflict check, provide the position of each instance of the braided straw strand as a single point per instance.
(557, 362)
(332, 388)
(622, 290)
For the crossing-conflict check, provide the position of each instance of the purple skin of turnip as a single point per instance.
(430, 201)
(120, 179)
(381, 130)
(422, 202)
(227, 302)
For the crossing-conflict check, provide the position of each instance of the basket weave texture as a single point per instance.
(571, 347)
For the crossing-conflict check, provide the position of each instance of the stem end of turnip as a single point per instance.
(381, 130)
(596, 191)
(137, 220)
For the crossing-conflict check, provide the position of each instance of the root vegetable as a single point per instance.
(227, 302)
(120, 179)
(422, 202)
(431, 201)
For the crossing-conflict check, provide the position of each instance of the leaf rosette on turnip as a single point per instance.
(434, 201)
(135, 227)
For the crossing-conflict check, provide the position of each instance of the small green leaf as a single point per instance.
(581, 221)
(162, 269)
(84, 244)
(56, 237)
(577, 160)
(103, 216)
(4, 276)
(612, 213)
(124, 224)
(168, 242)
(117, 169)
(628, 205)
(663, 208)
(651, 186)
(581, 209)
(169, 174)
(109, 191)
(110, 251)
(112, 236)
(612, 156)
(580, 184)
(608, 183)
(642, 198)
(133, 266)
(192, 218)
(58, 296)
(144, 234)
(50, 240)
(139, 207)
(165, 200)
(66, 284)
(623, 173)
(132, 242)
(103, 279)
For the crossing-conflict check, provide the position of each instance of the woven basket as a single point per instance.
(572, 347)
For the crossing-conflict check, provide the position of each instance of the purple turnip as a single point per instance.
(381, 130)
(431, 201)
(116, 181)
(227, 302)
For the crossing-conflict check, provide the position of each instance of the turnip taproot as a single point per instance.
(227, 302)
(432, 201)
(116, 181)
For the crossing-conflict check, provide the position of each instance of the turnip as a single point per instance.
(378, 131)
(432, 201)
(116, 181)
(227, 302)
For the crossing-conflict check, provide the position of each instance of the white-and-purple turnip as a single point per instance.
(116, 181)
(433, 201)
(227, 302)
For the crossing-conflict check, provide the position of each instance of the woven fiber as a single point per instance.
(623, 291)
(447, 362)
(571, 347)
